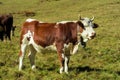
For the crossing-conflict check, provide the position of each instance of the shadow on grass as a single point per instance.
(1, 3)
(86, 68)
(80, 69)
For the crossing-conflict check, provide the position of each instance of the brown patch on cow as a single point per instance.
(44, 34)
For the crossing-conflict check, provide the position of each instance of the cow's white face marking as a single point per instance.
(84, 34)
(89, 32)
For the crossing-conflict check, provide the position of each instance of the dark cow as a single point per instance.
(6, 25)
(59, 36)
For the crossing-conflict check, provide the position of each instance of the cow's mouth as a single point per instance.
(85, 40)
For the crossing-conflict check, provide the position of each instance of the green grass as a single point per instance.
(100, 60)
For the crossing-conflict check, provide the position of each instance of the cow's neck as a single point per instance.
(78, 34)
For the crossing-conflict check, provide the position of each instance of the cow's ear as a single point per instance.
(95, 25)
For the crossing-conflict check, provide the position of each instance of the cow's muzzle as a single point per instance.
(93, 35)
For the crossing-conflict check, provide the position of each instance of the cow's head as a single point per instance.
(89, 32)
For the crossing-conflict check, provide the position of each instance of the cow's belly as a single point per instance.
(68, 49)
(38, 48)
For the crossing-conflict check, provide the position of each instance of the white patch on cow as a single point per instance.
(89, 31)
(61, 70)
(71, 49)
(37, 47)
(41, 22)
(66, 64)
(20, 62)
(86, 21)
(84, 35)
(30, 20)
(75, 48)
(66, 45)
(33, 66)
(23, 49)
(51, 47)
(64, 22)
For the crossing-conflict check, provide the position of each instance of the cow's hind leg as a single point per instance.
(32, 56)
(21, 55)
(8, 35)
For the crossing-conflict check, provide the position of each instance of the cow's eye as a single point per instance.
(89, 21)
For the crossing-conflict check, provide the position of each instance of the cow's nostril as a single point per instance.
(93, 35)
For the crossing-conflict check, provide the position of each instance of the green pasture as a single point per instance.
(100, 60)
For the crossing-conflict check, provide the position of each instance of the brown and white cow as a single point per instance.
(60, 35)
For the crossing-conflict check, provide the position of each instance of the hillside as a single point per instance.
(100, 60)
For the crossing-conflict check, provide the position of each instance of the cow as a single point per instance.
(6, 26)
(58, 36)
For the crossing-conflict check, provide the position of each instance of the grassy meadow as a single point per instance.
(100, 60)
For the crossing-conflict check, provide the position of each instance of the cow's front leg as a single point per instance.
(59, 46)
(66, 62)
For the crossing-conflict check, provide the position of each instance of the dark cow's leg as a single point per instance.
(59, 46)
(9, 34)
(32, 56)
(1, 36)
(13, 30)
